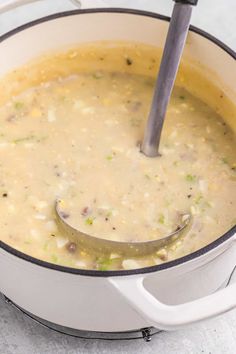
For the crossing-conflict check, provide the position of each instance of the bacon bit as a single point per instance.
(64, 215)
(86, 211)
(11, 118)
(162, 254)
(71, 247)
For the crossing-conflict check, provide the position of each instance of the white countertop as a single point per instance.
(18, 334)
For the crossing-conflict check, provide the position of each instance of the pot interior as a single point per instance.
(214, 64)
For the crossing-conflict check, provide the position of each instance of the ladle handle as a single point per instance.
(174, 46)
(187, 2)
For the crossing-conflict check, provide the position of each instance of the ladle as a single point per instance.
(172, 54)
(176, 38)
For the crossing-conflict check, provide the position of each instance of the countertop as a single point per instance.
(20, 335)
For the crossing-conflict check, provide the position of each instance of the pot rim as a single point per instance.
(97, 273)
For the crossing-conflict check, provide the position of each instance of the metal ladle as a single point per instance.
(173, 50)
(172, 54)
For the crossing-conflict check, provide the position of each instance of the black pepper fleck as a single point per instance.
(129, 61)
(4, 195)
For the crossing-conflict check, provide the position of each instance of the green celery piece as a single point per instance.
(198, 199)
(161, 219)
(22, 140)
(190, 178)
(54, 258)
(89, 221)
(105, 263)
(18, 105)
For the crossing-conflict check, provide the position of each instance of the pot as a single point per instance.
(166, 296)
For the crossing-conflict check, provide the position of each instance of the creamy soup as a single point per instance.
(77, 137)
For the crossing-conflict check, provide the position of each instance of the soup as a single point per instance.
(77, 137)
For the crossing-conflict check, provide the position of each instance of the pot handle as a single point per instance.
(13, 4)
(169, 317)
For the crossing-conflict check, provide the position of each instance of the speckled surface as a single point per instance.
(20, 335)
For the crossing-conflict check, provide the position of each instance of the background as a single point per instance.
(18, 334)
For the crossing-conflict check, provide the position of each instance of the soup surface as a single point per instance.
(77, 138)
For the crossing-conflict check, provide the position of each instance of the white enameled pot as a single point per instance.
(167, 296)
